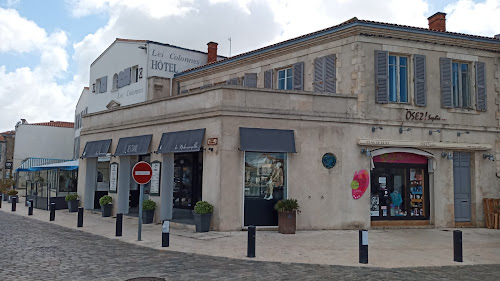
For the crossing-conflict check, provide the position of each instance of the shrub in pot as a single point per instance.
(106, 203)
(5, 185)
(148, 211)
(73, 201)
(287, 215)
(11, 193)
(202, 215)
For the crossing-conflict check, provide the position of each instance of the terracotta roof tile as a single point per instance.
(8, 133)
(55, 124)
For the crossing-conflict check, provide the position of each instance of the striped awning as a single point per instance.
(33, 162)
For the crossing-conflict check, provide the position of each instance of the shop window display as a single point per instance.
(399, 192)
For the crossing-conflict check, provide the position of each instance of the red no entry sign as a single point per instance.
(142, 172)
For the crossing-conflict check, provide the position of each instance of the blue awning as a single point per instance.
(32, 162)
(63, 166)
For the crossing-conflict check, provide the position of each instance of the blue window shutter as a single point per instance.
(104, 84)
(446, 85)
(481, 86)
(298, 76)
(120, 79)
(319, 77)
(381, 76)
(330, 74)
(126, 76)
(251, 80)
(268, 79)
(420, 80)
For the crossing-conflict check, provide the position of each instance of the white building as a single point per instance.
(80, 110)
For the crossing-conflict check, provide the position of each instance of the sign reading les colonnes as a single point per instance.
(142, 172)
(165, 61)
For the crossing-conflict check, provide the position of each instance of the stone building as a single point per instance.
(6, 154)
(365, 123)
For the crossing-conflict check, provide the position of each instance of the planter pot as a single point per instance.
(73, 206)
(107, 210)
(147, 216)
(10, 199)
(202, 222)
(287, 222)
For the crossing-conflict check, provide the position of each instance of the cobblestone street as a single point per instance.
(35, 250)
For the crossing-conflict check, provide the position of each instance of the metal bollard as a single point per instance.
(1, 199)
(363, 246)
(80, 217)
(52, 211)
(251, 242)
(30, 207)
(457, 246)
(165, 234)
(119, 224)
(14, 201)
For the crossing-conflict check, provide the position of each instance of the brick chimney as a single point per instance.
(437, 21)
(212, 52)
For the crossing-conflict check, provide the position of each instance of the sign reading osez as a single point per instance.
(165, 61)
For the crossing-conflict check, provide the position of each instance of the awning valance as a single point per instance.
(267, 140)
(64, 166)
(32, 162)
(96, 148)
(133, 145)
(388, 150)
(181, 141)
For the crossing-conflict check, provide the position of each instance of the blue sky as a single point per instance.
(46, 47)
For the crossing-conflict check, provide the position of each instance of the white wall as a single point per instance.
(82, 103)
(42, 142)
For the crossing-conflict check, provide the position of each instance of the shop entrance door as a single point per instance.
(188, 170)
(462, 182)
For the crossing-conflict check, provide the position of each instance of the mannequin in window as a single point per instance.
(276, 180)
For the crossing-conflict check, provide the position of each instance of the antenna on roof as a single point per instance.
(229, 46)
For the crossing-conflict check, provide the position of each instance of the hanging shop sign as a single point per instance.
(360, 183)
(8, 165)
(155, 178)
(412, 115)
(113, 177)
(212, 141)
(329, 160)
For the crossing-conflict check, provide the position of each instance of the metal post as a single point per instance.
(141, 198)
(165, 234)
(52, 211)
(30, 207)
(457, 246)
(14, 201)
(1, 199)
(251, 242)
(119, 224)
(363, 246)
(80, 217)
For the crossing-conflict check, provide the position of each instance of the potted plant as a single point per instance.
(202, 215)
(11, 193)
(287, 215)
(73, 201)
(5, 185)
(148, 211)
(106, 205)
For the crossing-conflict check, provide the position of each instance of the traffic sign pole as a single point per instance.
(141, 198)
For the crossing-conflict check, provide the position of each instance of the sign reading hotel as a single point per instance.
(165, 61)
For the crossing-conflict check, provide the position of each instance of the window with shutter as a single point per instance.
(319, 77)
(115, 82)
(381, 76)
(285, 79)
(298, 76)
(445, 80)
(455, 83)
(420, 80)
(251, 80)
(127, 76)
(121, 74)
(330, 74)
(104, 84)
(481, 86)
(268, 79)
(232, 81)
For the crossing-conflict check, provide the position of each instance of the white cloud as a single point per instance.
(33, 93)
(474, 18)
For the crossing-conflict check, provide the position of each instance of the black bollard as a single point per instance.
(14, 201)
(30, 207)
(165, 234)
(80, 217)
(363, 246)
(1, 199)
(251, 242)
(119, 224)
(52, 211)
(457, 246)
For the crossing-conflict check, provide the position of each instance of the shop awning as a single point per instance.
(267, 140)
(96, 148)
(182, 141)
(133, 145)
(32, 162)
(381, 151)
(64, 166)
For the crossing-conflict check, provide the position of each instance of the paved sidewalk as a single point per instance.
(387, 248)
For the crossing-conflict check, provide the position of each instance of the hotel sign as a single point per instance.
(423, 144)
